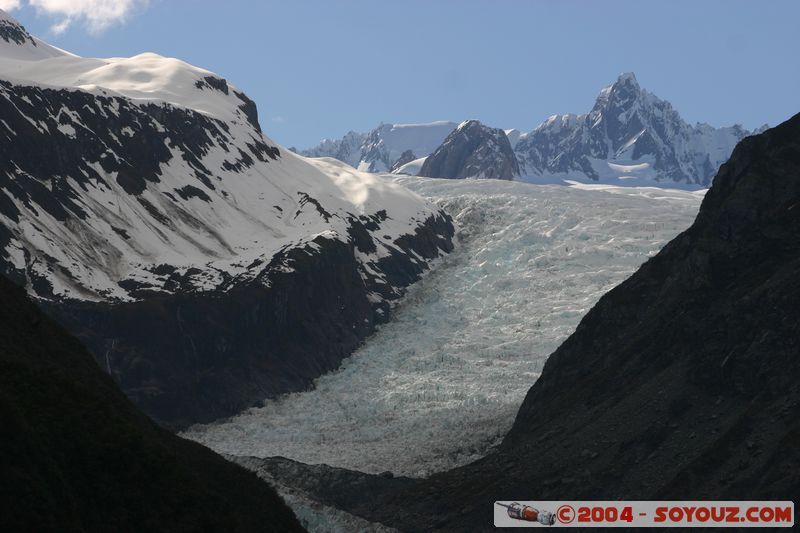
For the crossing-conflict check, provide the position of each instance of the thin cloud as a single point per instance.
(96, 15)
(8, 5)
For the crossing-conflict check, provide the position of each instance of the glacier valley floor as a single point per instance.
(440, 384)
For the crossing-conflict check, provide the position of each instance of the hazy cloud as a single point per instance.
(95, 15)
(8, 5)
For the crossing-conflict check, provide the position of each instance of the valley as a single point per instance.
(213, 321)
(440, 384)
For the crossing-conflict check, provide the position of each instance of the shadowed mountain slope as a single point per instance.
(78, 456)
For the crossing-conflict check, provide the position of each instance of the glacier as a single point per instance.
(439, 385)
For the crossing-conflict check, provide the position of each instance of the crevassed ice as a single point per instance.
(440, 384)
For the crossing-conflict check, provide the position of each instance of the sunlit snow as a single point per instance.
(441, 383)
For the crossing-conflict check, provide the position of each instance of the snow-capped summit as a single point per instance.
(380, 150)
(131, 186)
(146, 77)
(17, 44)
(629, 134)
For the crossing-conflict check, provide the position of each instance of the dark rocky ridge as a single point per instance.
(472, 151)
(76, 455)
(681, 383)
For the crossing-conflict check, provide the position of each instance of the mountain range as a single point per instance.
(630, 136)
(381, 149)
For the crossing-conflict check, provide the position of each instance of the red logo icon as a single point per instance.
(565, 514)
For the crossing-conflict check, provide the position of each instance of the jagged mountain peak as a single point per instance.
(470, 124)
(626, 81)
(559, 121)
(620, 95)
(629, 134)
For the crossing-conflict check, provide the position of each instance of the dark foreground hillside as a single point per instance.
(76, 455)
(681, 383)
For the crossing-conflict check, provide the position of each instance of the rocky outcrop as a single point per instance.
(472, 151)
(681, 383)
(12, 32)
(76, 455)
(405, 158)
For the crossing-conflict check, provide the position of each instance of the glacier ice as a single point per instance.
(440, 384)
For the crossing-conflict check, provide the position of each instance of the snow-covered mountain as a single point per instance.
(381, 149)
(629, 137)
(629, 134)
(140, 201)
(472, 150)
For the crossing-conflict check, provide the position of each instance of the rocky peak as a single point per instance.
(622, 94)
(406, 157)
(629, 133)
(473, 150)
(13, 32)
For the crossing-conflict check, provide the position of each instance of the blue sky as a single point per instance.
(320, 68)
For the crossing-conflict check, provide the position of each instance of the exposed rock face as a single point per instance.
(472, 151)
(681, 383)
(76, 455)
(348, 149)
(631, 133)
(205, 267)
(405, 158)
(12, 32)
